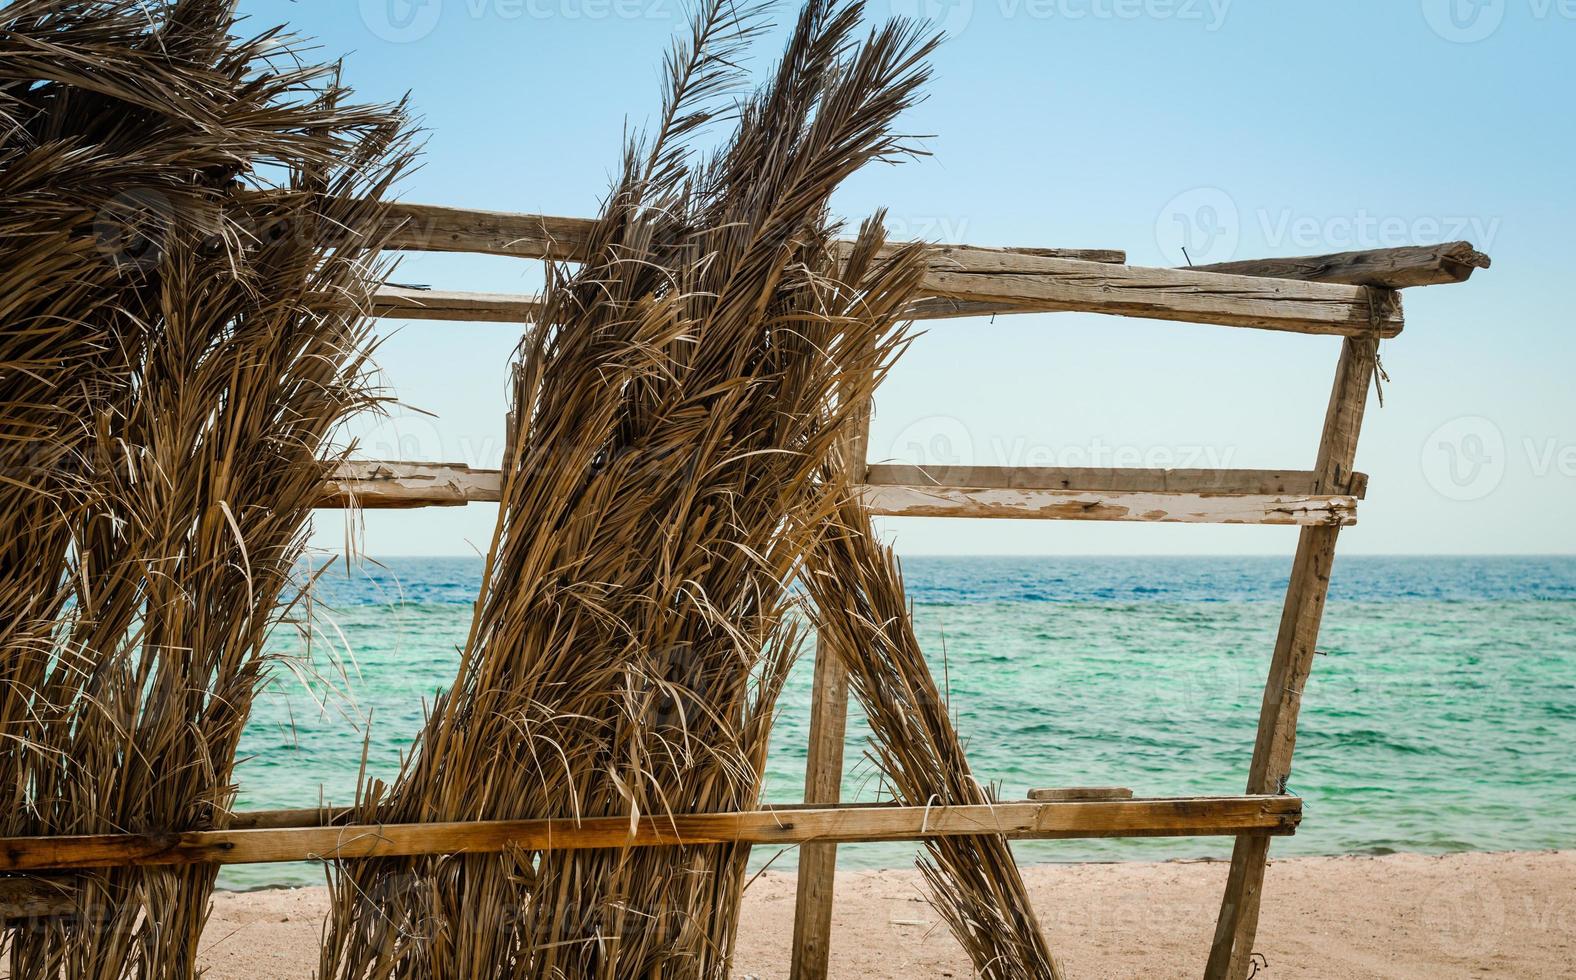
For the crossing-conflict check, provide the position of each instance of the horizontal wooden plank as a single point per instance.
(1016, 279)
(1080, 794)
(375, 485)
(1074, 505)
(1031, 284)
(436, 228)
(1105, 479)
(403, 303)
(1388, 268)
(1124, 818)
(1042, 285)
(379, 485)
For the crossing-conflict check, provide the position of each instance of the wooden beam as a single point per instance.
(1385, 268)
(1295, 647)
(1030, 284)
(1045, 285)
(435, 228)
(1190, 817)
(823, 777)
(403, 303)
(1123, 495)
(1080, 794)
(1072, 505)
(1388, 268)
(1107, 479)
(380, 485)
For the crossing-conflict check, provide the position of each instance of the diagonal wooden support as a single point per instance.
(1230, 953)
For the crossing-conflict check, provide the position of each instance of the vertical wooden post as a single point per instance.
(812, 918)
(1231, 952)
(823, 776)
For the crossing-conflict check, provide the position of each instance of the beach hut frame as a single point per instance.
(1351, 295)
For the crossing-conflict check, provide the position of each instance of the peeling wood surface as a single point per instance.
(373, 484)
(1110, 479)
(1072, 505)
(380, 485)
(1120, 818)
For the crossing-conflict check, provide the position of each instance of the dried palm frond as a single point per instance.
(972, 882)
(183, 376)
(659, 495)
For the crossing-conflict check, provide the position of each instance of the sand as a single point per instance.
(1401, 916)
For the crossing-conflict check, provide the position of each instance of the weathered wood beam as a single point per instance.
(1030, 284)
(1124, 818)
(1074, 505)
(1080, 794)
(1387, 268)
(1035, 284)
(1109, 479)
(1024, 280)
(399, 302)
(435, 228)
(1120, 495)
(1231, 951)
(823, 778)
(378, 485)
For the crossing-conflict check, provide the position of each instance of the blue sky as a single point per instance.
(1240, 129)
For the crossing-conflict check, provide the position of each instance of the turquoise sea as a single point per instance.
(1441, 717)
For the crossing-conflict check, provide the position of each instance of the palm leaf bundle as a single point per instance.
(183, 376)
(660, 493)
(973, 882)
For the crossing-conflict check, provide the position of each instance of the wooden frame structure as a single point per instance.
(1351, 295)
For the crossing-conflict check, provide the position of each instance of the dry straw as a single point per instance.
(659, 495)
(973, 882)
(175, 357)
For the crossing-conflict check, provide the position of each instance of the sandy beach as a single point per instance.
(1399, 916)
